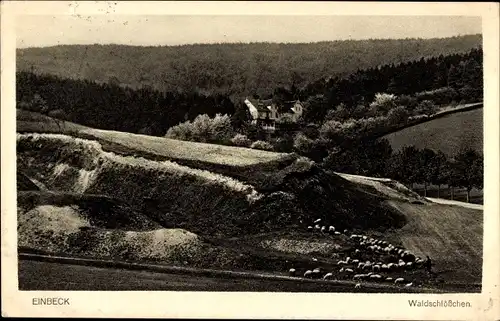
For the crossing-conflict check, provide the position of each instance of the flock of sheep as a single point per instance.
(370, 260)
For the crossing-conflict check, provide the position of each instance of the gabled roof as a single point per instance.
(262, 105)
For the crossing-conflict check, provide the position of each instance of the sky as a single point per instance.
(153, 30)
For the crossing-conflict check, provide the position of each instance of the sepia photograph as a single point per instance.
(236, 152)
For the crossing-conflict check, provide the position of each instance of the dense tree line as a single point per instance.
(237, 69)
(444, 80)
(463, 170)
(109, 106)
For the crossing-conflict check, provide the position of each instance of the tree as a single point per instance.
(426, 170)
(315, 109)
(38, 104)
(408, 165)
(382, 103)
(440, 170)
(469, 170)
(340, 113)
(451, 176)
(398, 116)
(454, 77)
(204, 129)
(241, 117)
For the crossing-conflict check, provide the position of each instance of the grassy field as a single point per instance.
(448, 134)
(449, 234)
(159, 146)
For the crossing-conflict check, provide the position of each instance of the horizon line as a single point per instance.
(246, 42)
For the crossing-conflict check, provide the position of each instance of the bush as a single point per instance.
(382, 103)
(283, 144)
(440, 96)
(262, 145)
(398, 116)
(241, 140)
(407, 101)
(204, 129)
(426, 107)
(470, 95)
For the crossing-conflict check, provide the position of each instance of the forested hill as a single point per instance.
(231, 69)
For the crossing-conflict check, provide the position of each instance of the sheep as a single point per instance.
(355, 261)
(353, 236)
(341, 262)
(364, 237)
(328, 276)
(309, 228)
(409, 284)
(390, 266)
(367, 266)
(389, 279)
(308, 274)
(341, 270)
(361, 265)
(349, 271)
(292, 272)
(375, 277)
(315, 259)
(323, 229)
(317, 270)
(345, 231)
(357, 286)
(347, 260)
(317, 226)
(337, 233)
(399, 280)
(409, 265)
(331, 229)
(384, 267)
(376, 268)
(359, 276)
(317, 221)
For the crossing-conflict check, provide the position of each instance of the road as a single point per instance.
(457, 203)
(36, 275)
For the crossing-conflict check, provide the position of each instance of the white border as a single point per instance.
(253, 305)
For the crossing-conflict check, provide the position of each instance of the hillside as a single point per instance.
(448, 134)
(157, 209)
(239, 69)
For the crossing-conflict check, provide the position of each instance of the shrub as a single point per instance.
(398, 116)
(204, 129)
(283, 144)
(426, 107)
(262, 145)
(241, 140)
(382, 103)
(440, 96)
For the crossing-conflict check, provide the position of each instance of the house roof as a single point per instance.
(261, 105)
